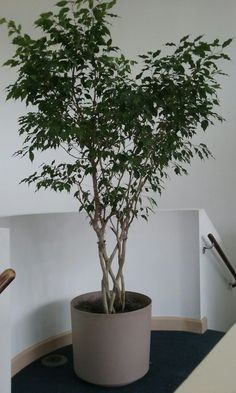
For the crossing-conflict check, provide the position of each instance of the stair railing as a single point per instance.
(6, 278)
(221, 253)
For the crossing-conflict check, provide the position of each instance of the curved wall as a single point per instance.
(55, 258)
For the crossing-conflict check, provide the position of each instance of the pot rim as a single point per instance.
(76, 299)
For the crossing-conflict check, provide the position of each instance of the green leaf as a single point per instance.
(157, 53)
(185, 38)
(225, 56)
(111, 4)
(227, 42)
(204, 124)
(3, 20)
(62, 3)
(46, 15)
(31, 155)
(216, 42)
(198, 37)
(139, 76)
(170, 44)
(12, 24)
(11, 63)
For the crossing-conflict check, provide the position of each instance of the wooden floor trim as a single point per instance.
(42, 348)
(179, 324)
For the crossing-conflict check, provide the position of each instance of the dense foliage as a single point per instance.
(122, 132)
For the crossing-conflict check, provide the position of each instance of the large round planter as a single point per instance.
(113, 349)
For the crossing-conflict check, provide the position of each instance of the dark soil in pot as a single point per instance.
(132, 303)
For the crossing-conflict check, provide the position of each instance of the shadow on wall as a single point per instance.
(42, 323)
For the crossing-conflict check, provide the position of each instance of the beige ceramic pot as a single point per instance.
(114, 349)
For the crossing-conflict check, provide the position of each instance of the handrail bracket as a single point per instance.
(205, 248)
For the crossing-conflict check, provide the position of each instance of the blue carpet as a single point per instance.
(173, 356)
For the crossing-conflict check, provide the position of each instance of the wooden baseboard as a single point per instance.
(42, 348)
(179, 324)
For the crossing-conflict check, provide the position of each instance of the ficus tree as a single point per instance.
(121, 130)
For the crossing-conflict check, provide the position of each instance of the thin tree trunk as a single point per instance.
(119, 277)
(105, 278)
(112, 285)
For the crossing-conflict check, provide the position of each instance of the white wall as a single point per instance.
(55, 258)
(5, 326)
(162, 262)
(218, 298)
(144, 25)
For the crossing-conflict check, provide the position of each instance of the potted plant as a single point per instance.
(121, 133)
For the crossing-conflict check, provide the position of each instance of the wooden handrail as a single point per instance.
(6, 278)
(223, 256)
